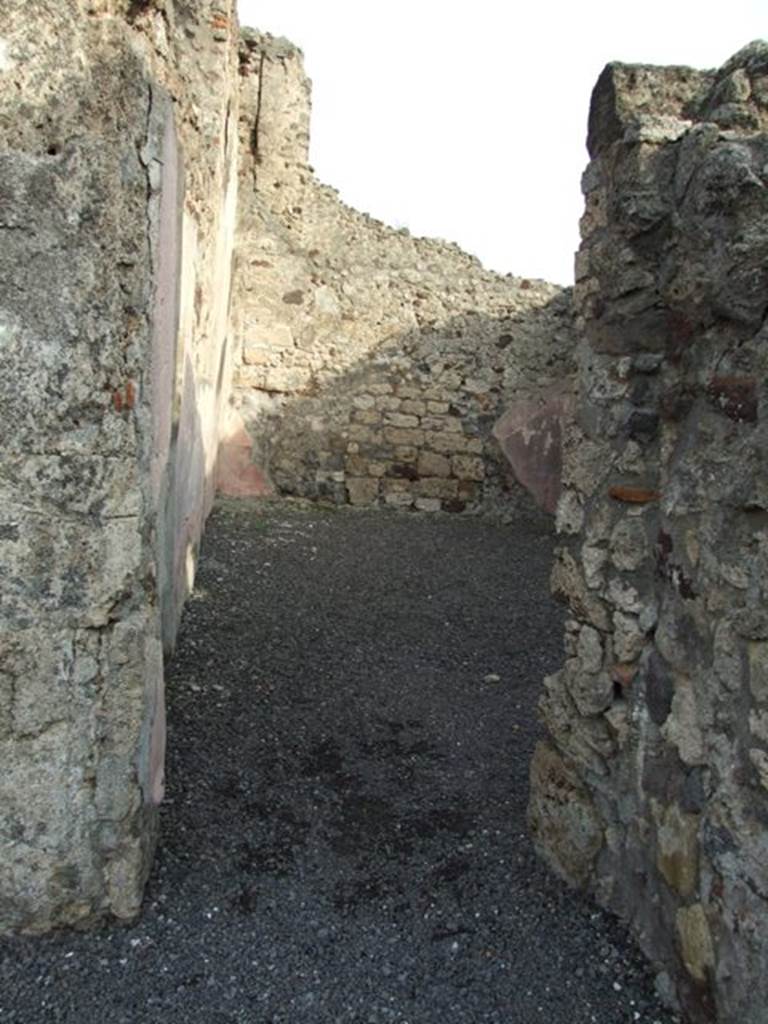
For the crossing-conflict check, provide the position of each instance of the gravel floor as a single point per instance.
(351, 718)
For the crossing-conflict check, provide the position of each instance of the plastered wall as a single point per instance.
(117, 209)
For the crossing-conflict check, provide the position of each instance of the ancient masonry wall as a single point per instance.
(653, 785)
(118, 146)
(370, 366)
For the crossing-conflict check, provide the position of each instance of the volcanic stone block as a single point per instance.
(565, 826)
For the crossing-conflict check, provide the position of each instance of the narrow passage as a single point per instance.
(351, 717)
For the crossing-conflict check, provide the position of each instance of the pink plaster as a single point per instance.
(157, 745)
(165, 317)
(236, 475)
(165, 312)
(531, 436)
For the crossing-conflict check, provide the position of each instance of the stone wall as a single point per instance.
(371, 366)
(653, 785)
(117, 202)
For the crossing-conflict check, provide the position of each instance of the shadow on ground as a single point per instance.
(351, 715)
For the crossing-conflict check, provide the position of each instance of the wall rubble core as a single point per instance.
(653, 785)
(182, 302)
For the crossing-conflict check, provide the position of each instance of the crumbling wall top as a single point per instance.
(644, 101)
(268, 46)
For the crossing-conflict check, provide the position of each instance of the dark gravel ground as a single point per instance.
(344, 838)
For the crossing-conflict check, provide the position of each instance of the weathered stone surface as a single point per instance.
(663, 527)
(369, 367)
(432, 464)
(678, 849)
(564, 823)
(113, 371)
(696, 941)
(362, 491)
(355, 325)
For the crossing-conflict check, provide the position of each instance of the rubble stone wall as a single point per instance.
(118, 147)
(370, 366)
(652, 787)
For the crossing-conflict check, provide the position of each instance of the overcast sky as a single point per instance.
(467, 120)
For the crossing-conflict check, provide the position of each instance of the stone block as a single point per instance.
(568, 583)
(399, 419)
(687, 721)
(445, 424)
(591, 692)
(569, 514)
(428, 504)
(403, 436)
(363, 434)
(414, 407)
(362, 490)
(466, 467)
(436, 487)
(399, 499)
(629, 544)
(440, 394)
(628, 637)
(389, 403)
(432, 464)
(263, 344)
(677, 853)
(617, 717)
(589, 649)
(695, 940)
(405, 453)
(396, 485)
(356, 465)
(451, 444)
(565, 826)
(368, 417)
(363, 402)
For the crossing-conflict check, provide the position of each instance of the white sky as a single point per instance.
(467, 120)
